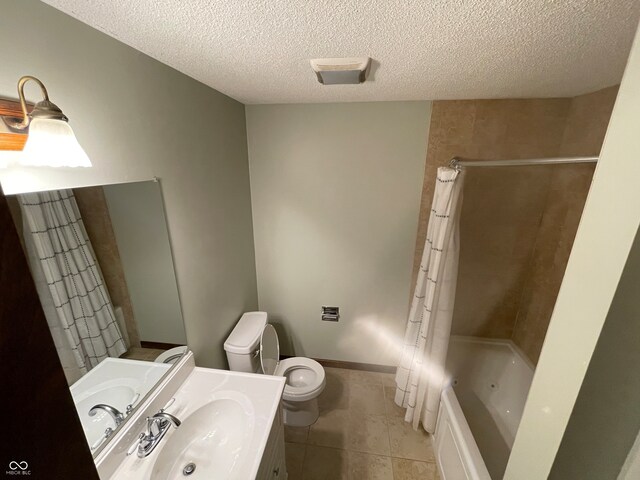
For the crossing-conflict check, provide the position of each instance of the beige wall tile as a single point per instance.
(536, 121)
(500, 216)
(454, 119)
(517, 225)
(588, 121)
(97, 221)
(569, 185)
(491, 123)
(502, 208)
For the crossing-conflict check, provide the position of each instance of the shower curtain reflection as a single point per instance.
(69, 282)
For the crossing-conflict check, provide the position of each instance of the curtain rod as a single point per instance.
(457, 162)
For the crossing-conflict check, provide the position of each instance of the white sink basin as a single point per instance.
(118, 393)
(212, 442)
(226, 419)
(117, 382)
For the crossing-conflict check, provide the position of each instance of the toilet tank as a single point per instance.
(243, 345)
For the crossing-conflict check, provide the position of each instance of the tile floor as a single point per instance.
(140, 353)
(360, 435)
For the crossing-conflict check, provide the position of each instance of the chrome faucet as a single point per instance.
(116, 414)
(157, 427)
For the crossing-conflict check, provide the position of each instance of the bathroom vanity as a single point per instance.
(230, 427)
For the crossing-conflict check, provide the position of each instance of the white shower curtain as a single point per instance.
(420, 374)
(69, 281)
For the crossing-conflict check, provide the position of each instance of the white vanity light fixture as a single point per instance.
(341, 71)
(51, 141)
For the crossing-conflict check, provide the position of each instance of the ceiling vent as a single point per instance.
(341, 71)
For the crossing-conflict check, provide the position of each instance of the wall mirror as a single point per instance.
(101, 260)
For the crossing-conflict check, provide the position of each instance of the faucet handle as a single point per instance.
(107, 434)
(169, 403)
(165, 418)
(131, 405)
(135, 444)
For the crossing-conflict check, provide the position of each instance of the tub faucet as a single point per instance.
(116, 414)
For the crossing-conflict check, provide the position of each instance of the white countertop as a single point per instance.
(259, 396)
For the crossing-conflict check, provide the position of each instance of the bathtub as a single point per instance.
(488, 383)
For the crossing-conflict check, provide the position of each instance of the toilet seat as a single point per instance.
(312, 387)
(172, 355)
(305, 377)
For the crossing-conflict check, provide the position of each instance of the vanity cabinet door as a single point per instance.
(279, 466)
(273, 465)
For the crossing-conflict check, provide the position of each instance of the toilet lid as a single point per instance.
(269, 350)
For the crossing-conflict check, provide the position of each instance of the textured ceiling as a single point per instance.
(257, 51)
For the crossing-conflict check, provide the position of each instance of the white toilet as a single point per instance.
(253, 347)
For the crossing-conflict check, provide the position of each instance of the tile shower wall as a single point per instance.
(97, 221)
(584, 133)
(517, 225)
(502, 207)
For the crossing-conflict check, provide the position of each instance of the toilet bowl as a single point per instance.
(253, 347)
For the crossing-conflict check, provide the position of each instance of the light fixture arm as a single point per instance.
(43, 109)
(50, 141)
(23, 102)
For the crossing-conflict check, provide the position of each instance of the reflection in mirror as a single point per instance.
(102, 264)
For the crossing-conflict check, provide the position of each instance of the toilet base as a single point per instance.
(300, 414)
